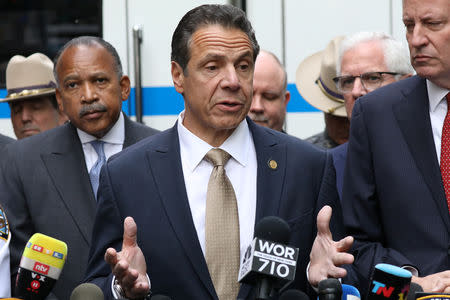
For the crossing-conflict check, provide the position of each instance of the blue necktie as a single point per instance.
(94, 173)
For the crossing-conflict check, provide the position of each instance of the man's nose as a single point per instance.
(257, 105)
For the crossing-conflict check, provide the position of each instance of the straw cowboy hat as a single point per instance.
(314, 80)
(28, 77)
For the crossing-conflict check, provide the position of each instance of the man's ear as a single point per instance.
(406, 76)
(177, 76)
(59, 100)
(125, 87)
(287, 97)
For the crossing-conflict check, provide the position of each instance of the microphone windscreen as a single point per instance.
(273, 229)
(87, 291)
(349, 292)
(40, 266)
(293, 295)
(413, 289)
(389, 282)
(330, 288)
(160, 297)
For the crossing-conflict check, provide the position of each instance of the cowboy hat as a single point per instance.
(314, 80)
(28, 77)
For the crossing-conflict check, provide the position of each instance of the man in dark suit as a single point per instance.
(366, 61)
(45, 181)
(394, 196)
(163, 183)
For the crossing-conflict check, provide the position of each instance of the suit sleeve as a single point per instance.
(107, 232)
(361, 207)
(14, 201)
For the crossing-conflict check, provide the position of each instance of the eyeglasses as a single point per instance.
(370, 81)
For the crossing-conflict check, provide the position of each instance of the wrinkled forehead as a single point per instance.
(220, 37)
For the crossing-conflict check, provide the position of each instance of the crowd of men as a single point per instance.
(175, 211)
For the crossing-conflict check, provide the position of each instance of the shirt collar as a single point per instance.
(237, 144)
(116, 135)
(435, 95)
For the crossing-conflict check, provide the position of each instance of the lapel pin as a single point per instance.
(272, 164)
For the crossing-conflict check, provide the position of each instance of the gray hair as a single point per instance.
(395, 53)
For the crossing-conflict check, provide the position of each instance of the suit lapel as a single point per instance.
(271, 158)
(67, 169)
(412, 114)
(172, 192)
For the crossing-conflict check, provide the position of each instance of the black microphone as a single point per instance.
(414, 288)
(40, 266)
(160, 297)
(268, 262)
(389, 282)
(293, 295)
(87, 291)
(330, 289)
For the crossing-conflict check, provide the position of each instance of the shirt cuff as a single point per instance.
(315, 288)
(412, 269)
(116, 296)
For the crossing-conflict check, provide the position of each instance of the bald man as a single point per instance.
(270, 97)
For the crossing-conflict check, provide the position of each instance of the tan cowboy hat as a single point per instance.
(314, 80)
(28, 77)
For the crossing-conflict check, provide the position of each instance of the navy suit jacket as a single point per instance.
(339, 154)
(45, 187)
(146, 182)
(393, 198)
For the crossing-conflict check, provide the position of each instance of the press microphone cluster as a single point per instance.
(40, 267)
(269, 263)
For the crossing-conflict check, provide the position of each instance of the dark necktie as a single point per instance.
(445, 153)
(94, 173)
(222, 228)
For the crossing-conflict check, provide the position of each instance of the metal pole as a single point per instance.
(137, 41)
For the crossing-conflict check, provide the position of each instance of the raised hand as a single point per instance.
(129, 265)
(327, 255)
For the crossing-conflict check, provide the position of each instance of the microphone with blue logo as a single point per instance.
(389, 282)
(349, 292)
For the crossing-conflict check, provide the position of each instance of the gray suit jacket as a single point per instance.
(45, 187)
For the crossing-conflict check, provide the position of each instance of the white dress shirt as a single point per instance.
(113, 142)
(241, 169)
(438, 111)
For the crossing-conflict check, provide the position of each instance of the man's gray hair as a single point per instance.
(396, 55)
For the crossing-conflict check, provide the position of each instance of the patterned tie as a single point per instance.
(445, 153)
(94, 173)
(222, 228)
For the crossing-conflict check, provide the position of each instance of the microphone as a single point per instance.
(293, 295)
(330, 289)
(431, 296)
(87, 291)
(41, 264)
(389, 282)
(414, 288)
(349, 292)
(268, 262)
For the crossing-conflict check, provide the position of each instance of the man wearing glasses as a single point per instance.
(367, 61)
(396, 193)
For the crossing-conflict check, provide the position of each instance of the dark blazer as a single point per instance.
(393, 197)
(146, 182)
(339, 154)
(5, 140)
(45, 187)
